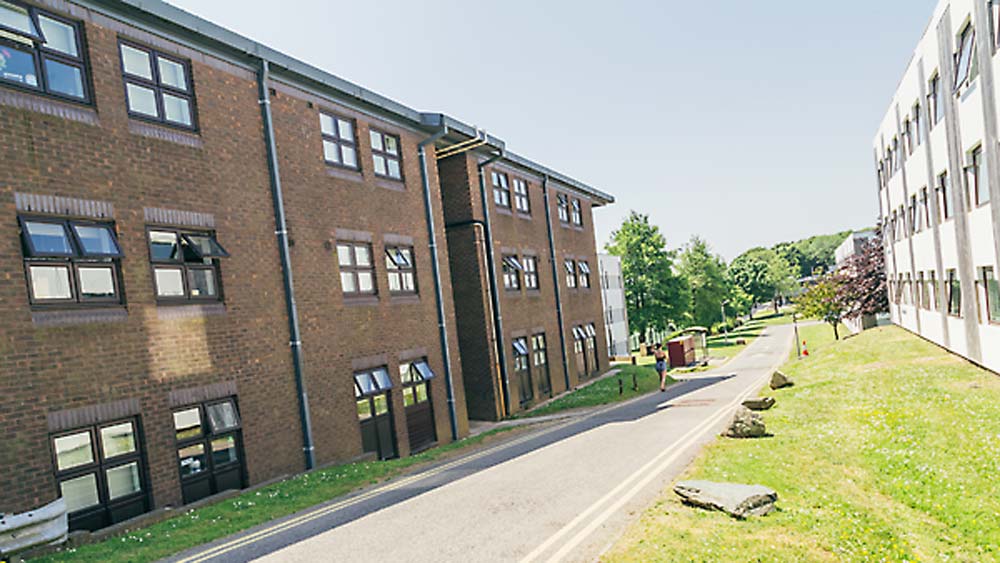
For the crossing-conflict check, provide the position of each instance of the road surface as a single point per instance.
(561, 493)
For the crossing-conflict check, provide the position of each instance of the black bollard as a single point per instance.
(621, 386)
(635, 382)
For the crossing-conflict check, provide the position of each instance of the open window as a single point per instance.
(584, 276)
(966, 60)
(70, 262)
(512, 269)
(42, 52)
(401, 270)
(372, 391)
(185, 265)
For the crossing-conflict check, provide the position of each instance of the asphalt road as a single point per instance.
(561, 493)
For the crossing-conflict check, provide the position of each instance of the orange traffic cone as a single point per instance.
(805, 351)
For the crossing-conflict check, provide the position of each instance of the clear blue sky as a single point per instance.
(747, 123)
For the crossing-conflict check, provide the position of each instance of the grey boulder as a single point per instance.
(739, 501)
(779, 380)
(759, 404)
(746, 424)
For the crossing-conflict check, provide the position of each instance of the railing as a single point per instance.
(44, 526)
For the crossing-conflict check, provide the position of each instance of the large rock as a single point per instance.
(746, 424)
(739, 501)
(759, 404)
(779, 380)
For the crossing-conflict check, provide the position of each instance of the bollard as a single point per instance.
(621, 386)
(633, 360)
(635, 382)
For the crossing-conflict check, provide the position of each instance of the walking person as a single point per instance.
(661, 365)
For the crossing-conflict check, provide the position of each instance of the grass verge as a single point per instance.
(190, 528)
(886, 449)
(605, 391)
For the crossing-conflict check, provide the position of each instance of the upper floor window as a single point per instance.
(934, 107)
(978, 189)
(584, 276)
(402, 271)
(897, 161)
(995, 22)
(562, 202)
(576, 215)
(908, 135)
(501, 189)
(512, 269)
(185, 264)
(70, 262)
(570, 273)
(339, 145)
(944, 203)
(42, 52)
(966, 61)
(916, 125)
(386, 156)
(521, 201)
(157, 86)
(530, 264)
(357, 269)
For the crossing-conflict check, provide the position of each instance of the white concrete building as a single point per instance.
(936, 152)
(852, 245)
(615, 314)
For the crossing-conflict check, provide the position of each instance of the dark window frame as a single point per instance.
(414, 379)
(354, 269)
(954, 294)
(974, 179)
(159, 89)
(522, 199)
(944, 205)
(539, 350)
(186, 264)
(935, 110)
(207, 435)
(562, 206)
(386, 155)
(918, 135)
(394, 269)
(583, 275)
(992, 303)
(340, 141)
(570, 267)
(34, 45)
(501, 189)
(531, 279)
(511, 269)
(576, 212)
(966, 56)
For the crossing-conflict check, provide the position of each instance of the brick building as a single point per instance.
(163, 180)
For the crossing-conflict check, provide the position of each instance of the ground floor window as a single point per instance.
(209, 449)
(373, 397)
(101, 473)
(991, 289)
(416, 381)
(954, 294)
(540, 363)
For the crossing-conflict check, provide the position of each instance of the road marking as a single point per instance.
(686, 441)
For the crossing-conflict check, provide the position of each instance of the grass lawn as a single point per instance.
(605, 391)
(886, 449)
(189, 528)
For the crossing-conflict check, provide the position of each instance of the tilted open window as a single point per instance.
(185, 264)
(42, 52)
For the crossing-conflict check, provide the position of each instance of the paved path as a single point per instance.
(561, 493)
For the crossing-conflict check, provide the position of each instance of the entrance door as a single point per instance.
(209, 449)
(540, 363)
(522, 368)
(420, 429)
(373, 396)
(579, 351)
(591, 344)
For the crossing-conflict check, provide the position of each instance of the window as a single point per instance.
(357, 269)
(512, 269)
(992, 291)
(576, 215)
(932, 290)
(925, 209)
(157, 86)
(521, 201)
(415, 377)
(954, 294)
(562, 202)
(922, 300)
(402, 270)
(934, 107)
(975, 177)
(374, 407)
(995, 22)
(100, 473)
(966, 63)
(916, 125)
(501, 189)
(908, 135)
(386, 155)
(340, 147)
(540, 363)
(70, 262)
(185, 264)
(209, 448)
(570, 274)
(912, 216)
(530, 265)
(944, 207)
(584, 276)
(42, 52)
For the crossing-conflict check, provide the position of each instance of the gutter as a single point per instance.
(491, 274)
(436, 270)
(555, 279)
(281, 231)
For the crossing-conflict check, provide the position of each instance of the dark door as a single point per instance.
(374, 406)
(522, 367)
(540, 364)
(420, 428)
(580, 353)
(209, 449)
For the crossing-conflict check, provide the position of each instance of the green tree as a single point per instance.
(705, 277)
(763, 275)
(655, 296)
(825, 300)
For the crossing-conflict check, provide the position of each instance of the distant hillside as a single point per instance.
(812, 254)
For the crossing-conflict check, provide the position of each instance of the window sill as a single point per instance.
(67, 317)
(360, 300)
(503, 210)
(394, 184)
(166, 311)
(343, 172)
(161, 132)
(33, 100)
(533, 292)
(405, 299)
(523, 215)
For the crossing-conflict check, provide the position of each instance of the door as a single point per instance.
(540, 364)
(415, 377)
(579, 352)
(373, 397)
(591, 344)
(522, 369)
(209, 449)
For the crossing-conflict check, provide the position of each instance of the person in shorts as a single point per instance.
(661, 364)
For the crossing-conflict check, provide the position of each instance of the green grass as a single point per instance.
(190, 528)
(886, 449)
(605, 391)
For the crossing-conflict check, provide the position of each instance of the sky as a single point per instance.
(745, 123)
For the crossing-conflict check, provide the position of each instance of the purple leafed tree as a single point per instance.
(863, 288)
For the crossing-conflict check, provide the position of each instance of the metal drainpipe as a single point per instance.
(491, 274)
(281, 230)
(555, 279)
(436, 270)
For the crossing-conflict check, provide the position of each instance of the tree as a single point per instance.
(763, 275)
(705, 276)
(825, 300)
(654, 295)
(865, 289)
